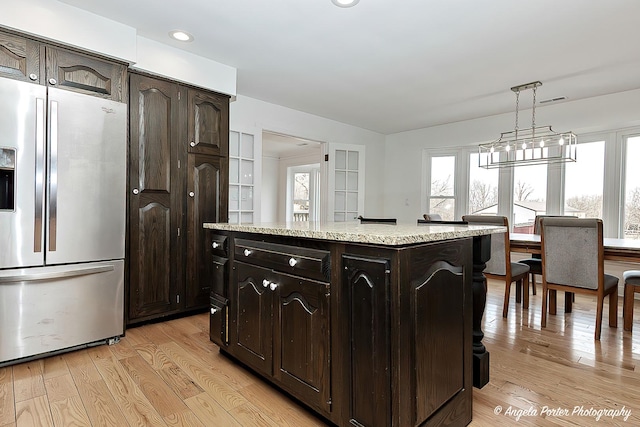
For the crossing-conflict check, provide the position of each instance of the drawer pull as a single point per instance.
(247, 252)
(273, 286)
(265, 283)
(215, 245)
(214, 310)
(292, 262)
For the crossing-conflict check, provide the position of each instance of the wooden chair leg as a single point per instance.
(533, 283)
(599, 310)
(552, 301)
(613, 309)
(545, 294)
(505, 306)
(568, 301)
(518, 291)
(525, 291)
(627, 308)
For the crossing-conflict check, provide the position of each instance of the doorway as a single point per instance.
(288, 159)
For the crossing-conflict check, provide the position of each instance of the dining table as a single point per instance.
(627, 250)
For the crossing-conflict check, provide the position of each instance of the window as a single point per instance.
(241, 183)
(483, 187)
(583, 182)
(442, 195)
(631, 228)
(529, 196)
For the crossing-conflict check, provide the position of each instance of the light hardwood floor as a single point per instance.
(170, 374)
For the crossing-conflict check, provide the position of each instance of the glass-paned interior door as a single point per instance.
(241, 177)
(346, 182)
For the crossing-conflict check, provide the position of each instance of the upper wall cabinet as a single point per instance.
(22, 58)
(19, 58)
(82, 73)
(208, 123)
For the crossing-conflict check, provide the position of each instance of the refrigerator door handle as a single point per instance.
(39, 182)
(53, 173)
(12, 276)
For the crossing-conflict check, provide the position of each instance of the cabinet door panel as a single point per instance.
(252, 305)
(301, 339)
(82, 73)
(154, 267)
(207, 189)
(367, 280)
(208, 123)
(19, 58)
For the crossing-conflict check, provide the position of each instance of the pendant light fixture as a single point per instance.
(532, 146)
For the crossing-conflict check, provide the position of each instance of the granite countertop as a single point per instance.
(381, 234)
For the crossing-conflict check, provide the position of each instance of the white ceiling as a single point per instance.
(396, 65)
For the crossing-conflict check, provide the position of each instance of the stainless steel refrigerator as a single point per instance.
(62, 220)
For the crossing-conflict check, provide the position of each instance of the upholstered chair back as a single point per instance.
(572, 251)
(500, 256)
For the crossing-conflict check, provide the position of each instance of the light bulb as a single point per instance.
(492, 150)
(507, 148)
(561, 141)
(524, 145)
(541, 143)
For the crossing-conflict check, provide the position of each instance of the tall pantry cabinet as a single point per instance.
(178, 179)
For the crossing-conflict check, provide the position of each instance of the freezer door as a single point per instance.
(22, 139)
(45, 309)
(87, 176)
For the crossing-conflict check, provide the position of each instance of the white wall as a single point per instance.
(59, 22)
(403, 154)
(270, 189)
(253, 116)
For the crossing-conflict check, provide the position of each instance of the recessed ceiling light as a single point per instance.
(181, 36)
(345, 3)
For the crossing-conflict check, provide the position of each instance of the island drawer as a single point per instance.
(311, 263)
(218, 244)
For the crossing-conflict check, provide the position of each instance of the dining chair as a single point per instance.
(535, 262)
(432, 217)
(363, 220)
(573, 261)
(499, 265)
(631, 286)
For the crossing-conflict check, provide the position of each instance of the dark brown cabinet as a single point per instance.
(280, 322)
(23, 58)
(364, 334)
(171, 193)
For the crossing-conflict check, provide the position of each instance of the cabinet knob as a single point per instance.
(33, 77)
(215, 245)
(193, 144)
(273, 286)
(53, 82)
(214, 310)
(135, 191)
(265, 283)
(247, 252)
(292, 262)
(191, 194)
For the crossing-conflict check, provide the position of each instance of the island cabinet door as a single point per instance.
(252, 301)
(301, 339)
(367, 283)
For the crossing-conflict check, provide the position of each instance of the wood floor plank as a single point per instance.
(204, 376)
(69, 412)
(28, 382)
(184, 419)
(34, 412)
(123, 349)
(249, 415)
(54, 366)
(102, 410)
(133, 404)
(60, 387)
(81, 366)
(206, 408)
(153, 386)
(7, 401)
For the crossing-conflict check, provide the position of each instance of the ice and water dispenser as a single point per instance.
(7, 178)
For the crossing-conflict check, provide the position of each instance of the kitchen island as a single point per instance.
(366, 324)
